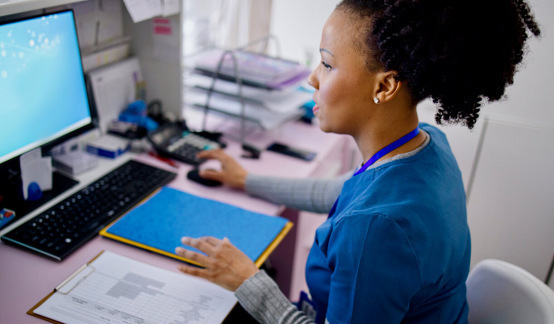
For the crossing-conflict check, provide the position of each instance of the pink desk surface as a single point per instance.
(26, 278)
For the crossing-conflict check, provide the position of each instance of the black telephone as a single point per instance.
(176, 141)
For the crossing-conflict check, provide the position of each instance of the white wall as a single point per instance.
(530, 98)
(510, 209)
(529, 105)
(298, 25)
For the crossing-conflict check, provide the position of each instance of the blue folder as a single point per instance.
(160, 222)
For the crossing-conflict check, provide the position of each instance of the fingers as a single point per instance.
(193, 256)
(231, 174)
(226, 174)
(193, 271)
(208, 245)
(214, 241)
(217, 154)
(204, 244)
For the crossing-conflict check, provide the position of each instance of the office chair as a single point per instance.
(501, 293)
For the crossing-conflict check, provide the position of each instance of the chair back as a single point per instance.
(499, 292)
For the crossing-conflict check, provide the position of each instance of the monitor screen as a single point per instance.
(43, 96)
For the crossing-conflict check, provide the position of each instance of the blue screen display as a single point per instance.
(42, 89)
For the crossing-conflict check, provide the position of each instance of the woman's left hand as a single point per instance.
(225, 265)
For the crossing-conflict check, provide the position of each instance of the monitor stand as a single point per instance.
(11, 196)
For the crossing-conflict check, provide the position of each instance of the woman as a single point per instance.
(396, 245)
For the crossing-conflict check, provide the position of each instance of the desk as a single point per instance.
(25, 278)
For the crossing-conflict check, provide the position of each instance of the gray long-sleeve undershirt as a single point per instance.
(311, 194)
(261, 297)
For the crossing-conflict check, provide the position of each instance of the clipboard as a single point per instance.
(115, 288)
(85, 270)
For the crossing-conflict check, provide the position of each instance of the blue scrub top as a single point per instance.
(397, 249)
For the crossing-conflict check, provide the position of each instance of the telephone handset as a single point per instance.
(176, 141)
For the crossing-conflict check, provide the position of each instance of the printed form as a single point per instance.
(116, 289)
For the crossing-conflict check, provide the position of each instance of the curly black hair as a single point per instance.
(456, 52)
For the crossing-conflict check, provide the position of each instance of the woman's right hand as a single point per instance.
(231, 174)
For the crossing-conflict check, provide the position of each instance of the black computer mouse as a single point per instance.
(194, 175)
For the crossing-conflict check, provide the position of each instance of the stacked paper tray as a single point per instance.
(270, 90)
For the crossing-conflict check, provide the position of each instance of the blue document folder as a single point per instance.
(160, 222)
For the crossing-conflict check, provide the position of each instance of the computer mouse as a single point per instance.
(194, 175)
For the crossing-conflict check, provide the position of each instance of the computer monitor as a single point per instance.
(42, 86)
(43, 95)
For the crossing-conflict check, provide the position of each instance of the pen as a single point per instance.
(164, 159)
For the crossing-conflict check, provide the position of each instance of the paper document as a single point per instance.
(143, 9)
(114, 87)
(35, 168)
(170, 7)
(116, 289)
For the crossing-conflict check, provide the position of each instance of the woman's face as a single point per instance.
(342, 81)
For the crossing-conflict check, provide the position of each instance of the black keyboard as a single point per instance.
(73, 221)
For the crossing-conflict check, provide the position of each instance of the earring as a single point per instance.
(376, 100)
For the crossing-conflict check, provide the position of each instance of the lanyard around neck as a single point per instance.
(387, 149)
(382, 152)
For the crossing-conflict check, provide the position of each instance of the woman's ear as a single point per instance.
(388, 86)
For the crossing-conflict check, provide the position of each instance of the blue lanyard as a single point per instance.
(382, 152)
(387, 149)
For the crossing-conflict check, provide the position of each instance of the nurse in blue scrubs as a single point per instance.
(395, 247)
